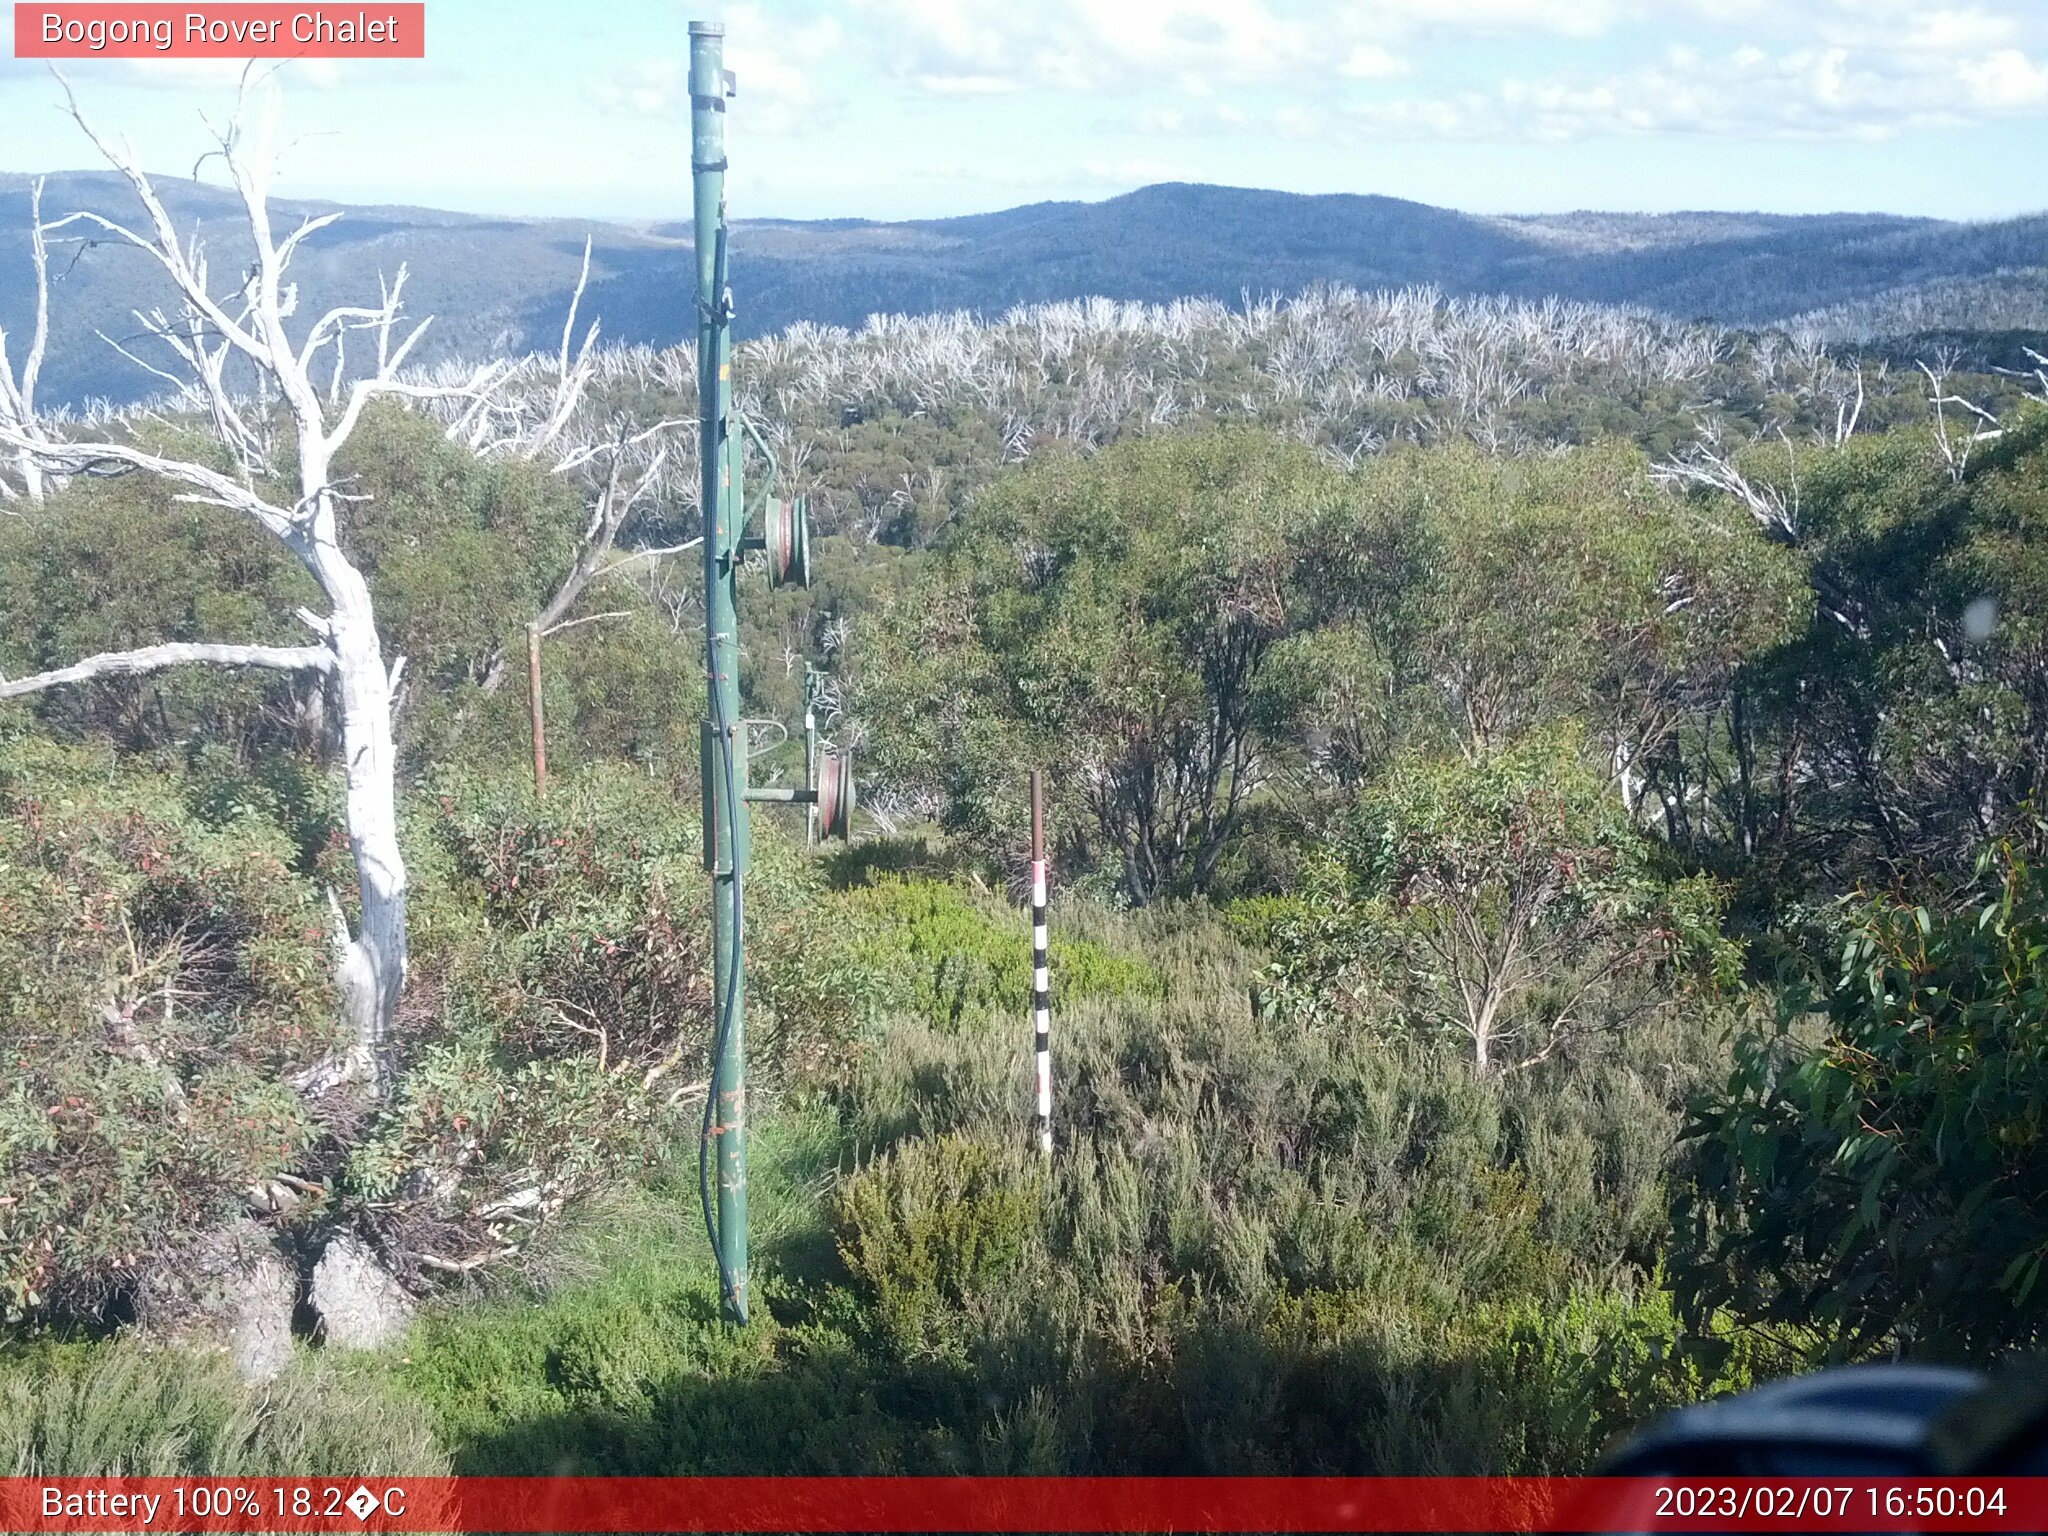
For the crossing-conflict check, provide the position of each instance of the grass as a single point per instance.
(1267, 1244)
(99, 1408)
(621, 1303)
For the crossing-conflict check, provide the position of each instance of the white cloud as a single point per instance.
(1162, 120)
(953, 46)
(1351, 69)
(2006, 81)
(1958, 31)
(778, 68)
(1136, 171)
(1369, 61)
(659, 89)
(1746, 92)
(970, 85)
(779, 65)
(1859, 68)
(1566, 18)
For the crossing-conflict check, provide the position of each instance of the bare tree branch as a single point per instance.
(588, 618)
(213, 487)
(18, 397)
(1955, 447)
(1709, 465)
(158, 658)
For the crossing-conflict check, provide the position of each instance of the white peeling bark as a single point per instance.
(372, 971)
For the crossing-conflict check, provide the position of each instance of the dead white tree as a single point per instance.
(1956, 443)
(2036, 377)
(1710, 465)
(246, 325)
(618, 467)
(18, 393)
(624, 470)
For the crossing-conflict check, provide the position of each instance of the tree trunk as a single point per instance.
(540, 724)
(1745, 768)
(372, 970)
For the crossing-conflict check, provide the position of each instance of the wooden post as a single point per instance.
(540, 726)
(1041, 978)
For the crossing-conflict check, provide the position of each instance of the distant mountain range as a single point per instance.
(503, 284)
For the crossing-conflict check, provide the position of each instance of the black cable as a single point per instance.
(726, 1016)
(728, 1012)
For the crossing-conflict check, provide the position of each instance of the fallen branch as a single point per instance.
(461, 1266)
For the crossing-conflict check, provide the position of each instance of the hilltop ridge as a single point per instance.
(503, 283)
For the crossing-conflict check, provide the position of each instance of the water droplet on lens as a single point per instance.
(1981, 618)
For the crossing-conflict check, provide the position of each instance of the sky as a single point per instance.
(895, 109)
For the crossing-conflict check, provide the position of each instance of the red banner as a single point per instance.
(213, 31)
(1016, 1504)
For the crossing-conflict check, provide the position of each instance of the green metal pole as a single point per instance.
(724, 744)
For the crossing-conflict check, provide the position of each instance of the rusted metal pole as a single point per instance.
(540, 724)
(1041, 976)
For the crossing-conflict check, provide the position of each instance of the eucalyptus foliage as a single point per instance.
(1874, 1169)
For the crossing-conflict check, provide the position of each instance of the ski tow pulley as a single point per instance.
(835, 795)
(786, 540)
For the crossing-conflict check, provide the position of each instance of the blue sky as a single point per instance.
(919, 108)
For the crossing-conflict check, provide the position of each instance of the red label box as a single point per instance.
(213, 31)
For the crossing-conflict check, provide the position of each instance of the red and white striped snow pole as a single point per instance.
(1041, 977)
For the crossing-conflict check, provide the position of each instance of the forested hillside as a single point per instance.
(1545, 809)
(499, 285)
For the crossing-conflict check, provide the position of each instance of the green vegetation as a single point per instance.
(160, 979)
(1883, 1179)
(942, 955)
(1264, 1248)
(120, 1410)
(1508, 899)
(1538, 939)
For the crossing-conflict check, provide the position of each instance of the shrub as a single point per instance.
(159, 982)
(566, 943)
(1115, 617)
(595, 915)
(110, 563)
(1573, 1379)
(1318, 942)
(1203, 1143)
(931, 1225)
(1884, 1181)
(595, 925)
(1514, 893)
(942, 956)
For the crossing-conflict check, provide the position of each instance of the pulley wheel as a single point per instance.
(786, 534)
(835, 795)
